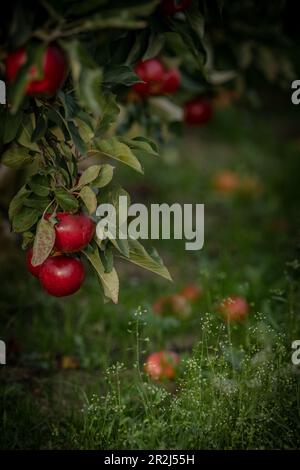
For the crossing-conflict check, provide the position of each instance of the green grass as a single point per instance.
(237, 387)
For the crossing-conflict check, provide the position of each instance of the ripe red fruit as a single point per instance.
(191, 292)
(34, 270)
(171, 81)
(54, 70)
(151, 72)
(162, 365)
(234, 308)
(157, 80)
(169, 7)
(198, 111)
(61, 275)
(73, 231)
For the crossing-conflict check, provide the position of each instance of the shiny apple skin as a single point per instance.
(61, 276)
(73, 232)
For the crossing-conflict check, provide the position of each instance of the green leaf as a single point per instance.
(40, 128)
(36, 202)
(85, 130)
(67, 201)
(39, 185)
(105, 176)
(76, 138)
(25, 138)
(17, 157)
(109, 113)
(152, 262)
(89, 175)
(11, 126)
(34, 54)
(113, 148)
(121, 244)
(109, 281)
(141, 146)
(27, 240)
(25, 219)
(69, 103)
(43, 242)
(17, 202)
(107, 259)
(89, 198)
(87, 77)
(120, 75)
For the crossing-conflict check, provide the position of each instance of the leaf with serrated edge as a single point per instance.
(89, 198)
(43, 242)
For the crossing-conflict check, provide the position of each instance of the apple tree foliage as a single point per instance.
(216, 44)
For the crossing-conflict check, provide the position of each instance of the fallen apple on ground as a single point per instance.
(234, 308)
(162, 365)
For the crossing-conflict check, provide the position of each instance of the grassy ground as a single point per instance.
(74, 377)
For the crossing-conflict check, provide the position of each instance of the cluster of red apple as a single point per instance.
(61, 274)
(163, 365)
(157, 80)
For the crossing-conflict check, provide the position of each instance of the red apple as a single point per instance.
(158, 80)
(174, 304)
(54, 70)
(61, 275)
(162, 365)
(191, 292)
(234, 308)
(171, 81)
(198, 111)
(151, 72)
(73, 231)
(169, 7)
(34, 270)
